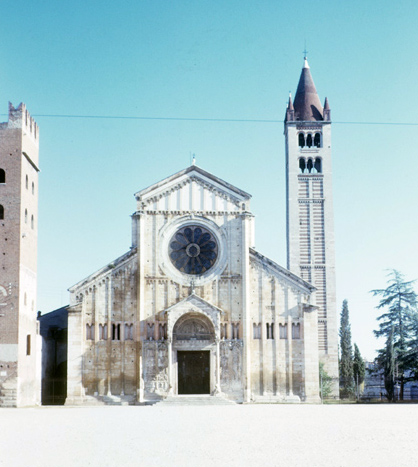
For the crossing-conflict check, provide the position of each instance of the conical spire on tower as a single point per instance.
(307, 105)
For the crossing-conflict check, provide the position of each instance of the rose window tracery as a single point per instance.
(193, 250)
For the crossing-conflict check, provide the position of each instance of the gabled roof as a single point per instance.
(306, 104)
(273, 267)
(196, 171)
(196, 301)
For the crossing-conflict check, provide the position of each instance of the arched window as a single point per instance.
(309, 140)
(32, 222)
(26, 216)
(301, 140)
(27, 182)
(310, 165)
(302, 165)
(318, 165)
(317, 140)
(2, 176)
(1, 212)
(33, 188)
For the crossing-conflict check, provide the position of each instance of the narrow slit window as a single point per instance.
(28, 349)
(32, 222)
(1, 212)
(26, 216)
(27, 182)
(2, 176)
(283, 331)
(33, 188)
(256, 331)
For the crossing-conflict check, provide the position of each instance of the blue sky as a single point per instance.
(216, 60)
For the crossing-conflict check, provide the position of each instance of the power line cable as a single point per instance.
(193, 119)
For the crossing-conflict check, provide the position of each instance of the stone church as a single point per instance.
(193, 308)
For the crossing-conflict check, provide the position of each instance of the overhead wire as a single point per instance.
(203, 119)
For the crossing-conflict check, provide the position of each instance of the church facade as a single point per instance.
(192, 308)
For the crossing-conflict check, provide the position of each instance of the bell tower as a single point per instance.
(19, 143)
(310, 218)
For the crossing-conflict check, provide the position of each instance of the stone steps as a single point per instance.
(196, 400)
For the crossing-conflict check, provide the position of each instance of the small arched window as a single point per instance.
(318, 165)
(32, 221)
(27, 182)
(33, 188)
(2, 176)
(26, 216)
(317, 140)
(301, 140)
(309, 140)
(1, 212)
(309, 165)
(302, 165)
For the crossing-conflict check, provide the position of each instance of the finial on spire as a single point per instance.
(305, 57)
(194, 160)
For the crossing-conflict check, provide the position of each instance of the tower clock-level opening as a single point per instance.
(193, 372)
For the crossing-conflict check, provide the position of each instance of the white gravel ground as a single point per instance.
(253, 435)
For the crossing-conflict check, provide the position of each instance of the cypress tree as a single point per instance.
(359, 369)
(346, 349)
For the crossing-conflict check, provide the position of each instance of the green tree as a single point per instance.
(346, 349)
(389, 368)
(399, 302)
(325, 382)
(359, 369)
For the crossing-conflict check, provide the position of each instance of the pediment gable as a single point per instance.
(192, 190)
(193, 304)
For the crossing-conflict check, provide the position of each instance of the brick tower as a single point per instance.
(310, 218)
(19, 143)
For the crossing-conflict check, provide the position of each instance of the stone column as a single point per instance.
(290, 355)
(218, 391)
(75, 390)
(170, 367)
(246, 302)
(290, 397)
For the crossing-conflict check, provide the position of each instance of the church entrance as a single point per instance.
(193, 372)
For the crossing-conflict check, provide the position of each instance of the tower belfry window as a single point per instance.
(302, 165)
(309, 140)
(317, 140)
(301, 140)
(309, 165)
(318, 165)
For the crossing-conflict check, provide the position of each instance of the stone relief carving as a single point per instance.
(156, 368)
(231, 364)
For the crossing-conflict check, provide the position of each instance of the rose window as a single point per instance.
(193, 250)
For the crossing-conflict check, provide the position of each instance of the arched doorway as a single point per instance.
(194, 343)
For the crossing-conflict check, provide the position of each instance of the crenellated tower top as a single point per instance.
(20, 118)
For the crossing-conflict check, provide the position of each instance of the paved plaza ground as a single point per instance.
(242, 435)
